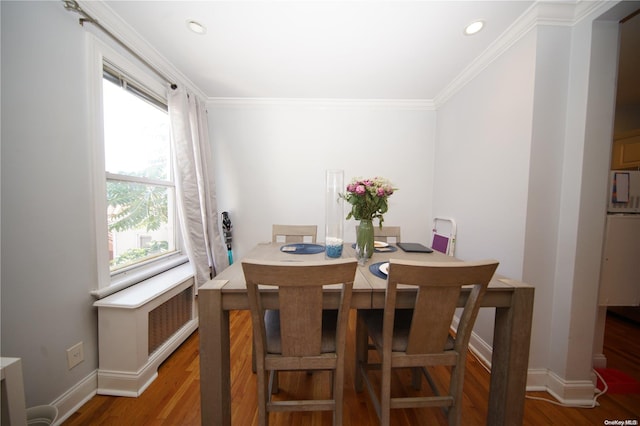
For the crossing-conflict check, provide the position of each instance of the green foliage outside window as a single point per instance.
(138, 206)
(132, 255)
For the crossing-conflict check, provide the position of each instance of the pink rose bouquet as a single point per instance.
(368, 198)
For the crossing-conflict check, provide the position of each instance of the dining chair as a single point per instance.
(386, 233)
(299, 335)
(294, 233)
(444, 235)
(421, 336)
(289, 234)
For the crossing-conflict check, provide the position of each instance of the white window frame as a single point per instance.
(109, 282)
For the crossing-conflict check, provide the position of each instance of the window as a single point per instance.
(137, 232)
(140, 192)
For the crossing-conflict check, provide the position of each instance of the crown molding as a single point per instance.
(110, 20)
(325, 103)
(541, 13)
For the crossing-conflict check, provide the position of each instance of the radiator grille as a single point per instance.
(168, 318)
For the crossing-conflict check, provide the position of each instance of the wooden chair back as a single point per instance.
(294, 233)
(439, 287)
(390, 234)
(301, 336)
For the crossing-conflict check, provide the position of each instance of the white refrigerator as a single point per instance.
(620, 269)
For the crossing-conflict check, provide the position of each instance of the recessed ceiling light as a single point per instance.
(196, 27)
(473, 27)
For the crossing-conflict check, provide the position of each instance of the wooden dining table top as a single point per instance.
(364, 281)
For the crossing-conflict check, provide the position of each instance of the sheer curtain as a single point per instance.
(195, 187)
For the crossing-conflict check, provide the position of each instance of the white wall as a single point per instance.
(48, 256)
(482, 163)
(545, 177)
(271, 157)
(593, 186)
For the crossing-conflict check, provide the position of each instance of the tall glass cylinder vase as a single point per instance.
(334, 221)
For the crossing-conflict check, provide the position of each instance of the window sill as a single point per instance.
(152, 288)
(140, 276)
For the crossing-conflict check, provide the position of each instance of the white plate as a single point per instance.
(380, 244)
(384, 268)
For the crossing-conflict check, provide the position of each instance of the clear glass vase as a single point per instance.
(364, 241)
(334, 218)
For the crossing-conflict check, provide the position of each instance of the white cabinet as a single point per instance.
(626, 151)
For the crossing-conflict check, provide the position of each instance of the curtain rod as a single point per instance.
(73, 6)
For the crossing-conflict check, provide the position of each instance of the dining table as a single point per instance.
(511, 299)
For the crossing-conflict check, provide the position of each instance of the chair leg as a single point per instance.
(263, 392)
(385, 394)
(338, 395)
(454, 415)
(362, 351)
(253, 357)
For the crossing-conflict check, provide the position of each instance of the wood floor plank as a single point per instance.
(173, 399)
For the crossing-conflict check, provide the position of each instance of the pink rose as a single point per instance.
(360, 190)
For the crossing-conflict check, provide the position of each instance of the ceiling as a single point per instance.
(320, 49)
(327, 49)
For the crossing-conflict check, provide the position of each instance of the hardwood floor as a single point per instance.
(174, 397)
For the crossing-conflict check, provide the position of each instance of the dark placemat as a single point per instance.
(415, 248)
(387, 249)
(374, 268)
(302, 248)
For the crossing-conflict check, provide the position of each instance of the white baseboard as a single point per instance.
(537, 379)
(69, 402)
(599, 361)
(121, 383)
(571, 392)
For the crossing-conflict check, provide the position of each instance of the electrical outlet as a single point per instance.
(75, 355)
